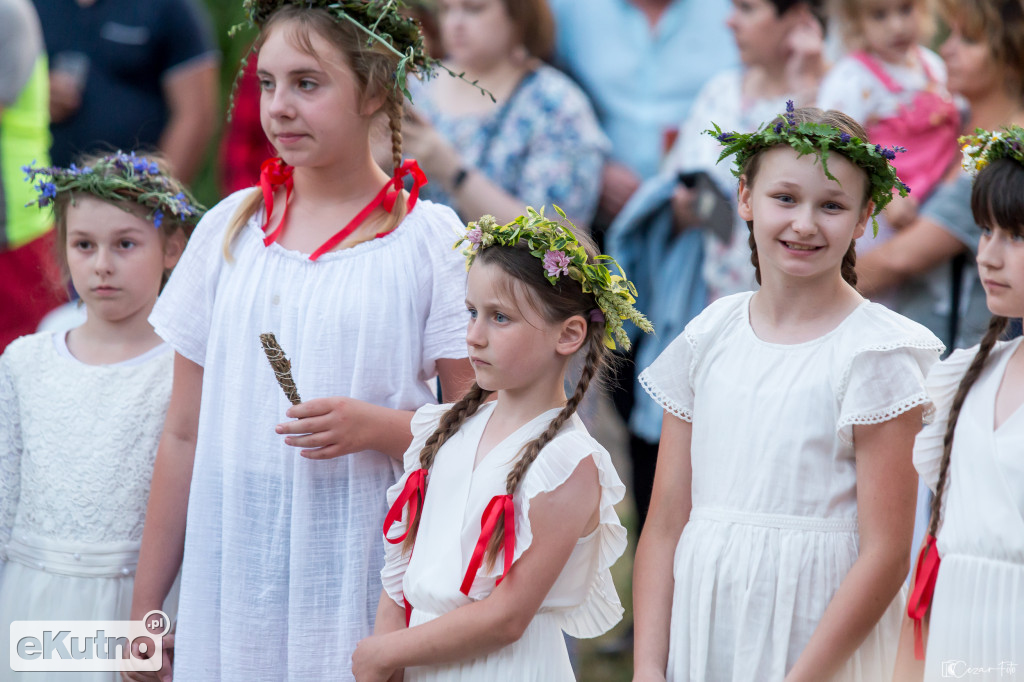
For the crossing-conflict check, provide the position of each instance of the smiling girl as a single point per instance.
(784, 492)
(81, 412)
(274, 521)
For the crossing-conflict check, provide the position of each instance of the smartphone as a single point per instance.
(714, 210)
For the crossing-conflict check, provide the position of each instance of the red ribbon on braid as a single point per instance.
(275, 173)
(499, 504)
(924, 588)
(412, 495)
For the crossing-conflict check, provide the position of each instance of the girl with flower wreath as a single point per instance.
(81, 412)
(970, 572)
(273, 511)
(784, 493)
(503, 529)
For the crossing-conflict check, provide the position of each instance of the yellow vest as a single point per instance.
(24, 139)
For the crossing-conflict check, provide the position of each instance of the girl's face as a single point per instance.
(759, 31)
(1001, 268)
(970, 69)
(891, 30)
(116, 259)
(803, 222)
(477, 33)
(511, 345)
(310, 105)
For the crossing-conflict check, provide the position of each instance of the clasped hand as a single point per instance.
(329, 427)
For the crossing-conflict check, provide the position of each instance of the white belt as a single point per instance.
(79, 559)
(780, 521)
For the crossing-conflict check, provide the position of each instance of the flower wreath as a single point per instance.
(820, 140)
(381, 20)
(986, 146)
(562, 254)
(117, 178)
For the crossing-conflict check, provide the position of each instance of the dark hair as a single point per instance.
(535, 25)
(816, 8)
(1000, 25)
(555, 303)
(844, 124)
(997, 199)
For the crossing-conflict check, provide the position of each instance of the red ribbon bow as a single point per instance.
(499, 504)
(273, 174)
(924, 588)
(412, 495)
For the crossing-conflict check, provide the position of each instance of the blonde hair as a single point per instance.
(374, 69)
(556, 303)
(851, 13)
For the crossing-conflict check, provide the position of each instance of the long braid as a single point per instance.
(849, 266)
(995, 328)
(450, 423)
(395, 110)
(595, 359)
(753, 252)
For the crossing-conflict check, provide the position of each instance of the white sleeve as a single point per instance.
(942, 383)
(10, 454)
(669, 379)
(444, 332)
(850, 88)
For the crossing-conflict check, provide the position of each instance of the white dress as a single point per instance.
(77, 445)
(773, 530)
(279, 580)
(977, 617)
(582, 602)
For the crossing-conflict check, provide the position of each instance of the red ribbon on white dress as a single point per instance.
(498, 506)
(924, 588)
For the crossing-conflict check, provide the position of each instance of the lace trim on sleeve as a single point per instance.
(917, 344)
(662, 398)
(886, 414)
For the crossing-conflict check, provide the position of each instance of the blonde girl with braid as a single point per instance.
(273, 510)
(501, 533)
(784, 492)
(971, 569)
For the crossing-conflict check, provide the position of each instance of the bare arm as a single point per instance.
(886, 496)
(917, 248)
(558, 519)
(191, 94)
(908, 668)
(671, 502)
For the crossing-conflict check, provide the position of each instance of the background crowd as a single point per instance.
(599, 107)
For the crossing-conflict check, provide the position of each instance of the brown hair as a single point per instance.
(844, 124)
(556, 303)
(170, 224)
(374, 69)
(1000, 25)
(997, 199)
(535, 25)
(851, 14)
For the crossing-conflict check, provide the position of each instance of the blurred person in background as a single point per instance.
(539, 144)
(131, 75)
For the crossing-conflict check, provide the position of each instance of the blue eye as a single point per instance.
(306, 84)
(784, 198)
(472, 313)
(266, 84)
(985, 231)
(500, 317)
(833, 206)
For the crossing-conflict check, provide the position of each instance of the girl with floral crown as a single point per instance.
(784, 493)
(503, 529)
(81, 412)
(272, 510)
(970, 572)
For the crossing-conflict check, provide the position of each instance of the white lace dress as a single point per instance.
(773, 530)
(77, 445)
(582, 602)
(280, 577)
(977, 620)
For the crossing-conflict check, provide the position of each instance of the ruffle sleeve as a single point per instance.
(884, 378)
(941, 385)
(600, 609)
(424, 422)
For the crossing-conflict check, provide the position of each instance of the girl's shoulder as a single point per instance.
(876, 328)
(26, 351)
(721, 316)
(945, 376)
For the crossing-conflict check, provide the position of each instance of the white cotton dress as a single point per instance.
(280, 574)
(582, 602)
(977, 619)
(77, 445)
(773, 529)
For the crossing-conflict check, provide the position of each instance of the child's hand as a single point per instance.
(369, 661)
(162, 675)
(329, 427)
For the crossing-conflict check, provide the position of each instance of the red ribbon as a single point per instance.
(273, 174)
(924, 588)
(412, 496)
(499, 504)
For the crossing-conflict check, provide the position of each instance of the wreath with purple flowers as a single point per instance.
(561, 254)
(820, 140)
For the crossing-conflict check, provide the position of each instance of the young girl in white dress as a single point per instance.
(358, 281)
(509, 525)
(972, 457)
(81, 412)
(784, 492)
